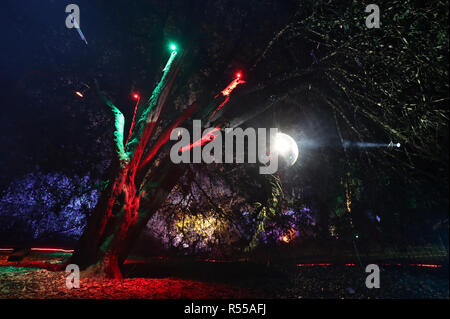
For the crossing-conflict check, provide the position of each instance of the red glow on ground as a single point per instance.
(426, 265)
(60, 250)
(216, 261)
(353, 265)
(138, 98)
(312, 265)
(133, 261)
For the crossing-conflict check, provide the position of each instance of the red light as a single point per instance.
(312, 265)
(52, 250)
(426, 265)
(135, 96)
(285, 239)
(239, 75)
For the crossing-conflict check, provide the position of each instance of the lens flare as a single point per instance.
(286, 147)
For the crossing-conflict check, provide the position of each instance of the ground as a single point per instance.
(43, 284)
(162, 278)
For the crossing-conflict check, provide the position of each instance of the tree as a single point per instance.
(137, 189)
(364, 85)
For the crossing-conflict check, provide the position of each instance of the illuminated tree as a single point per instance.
(140, 182)
(365, 85)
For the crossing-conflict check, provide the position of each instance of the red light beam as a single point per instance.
(138, 98)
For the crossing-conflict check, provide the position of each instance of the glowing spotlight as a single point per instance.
(79, 93)
(239, 75)
(286, 147)
(135, 96)
(282, 145)
(173, 47)
(391, 144)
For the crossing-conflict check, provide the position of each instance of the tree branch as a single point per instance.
(119, 123)
(166, 135)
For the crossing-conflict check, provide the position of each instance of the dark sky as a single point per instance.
(42, 63)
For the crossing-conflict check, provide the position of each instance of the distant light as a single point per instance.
(135, 96)
(282, 144)
(398, 145)
(285, 239)
(356, 236)
(173, 47)
(378, 218)
(239, 75)
(79, 93)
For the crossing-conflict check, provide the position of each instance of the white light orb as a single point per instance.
(286, 148)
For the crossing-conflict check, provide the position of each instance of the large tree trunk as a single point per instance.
(118, 217)
(121, 214)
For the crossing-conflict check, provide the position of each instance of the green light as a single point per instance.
(356, 236)
(173, 47)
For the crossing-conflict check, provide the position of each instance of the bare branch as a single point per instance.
(119, 123)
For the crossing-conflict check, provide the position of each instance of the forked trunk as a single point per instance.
(122, 212)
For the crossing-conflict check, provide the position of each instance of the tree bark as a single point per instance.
(111, 232)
